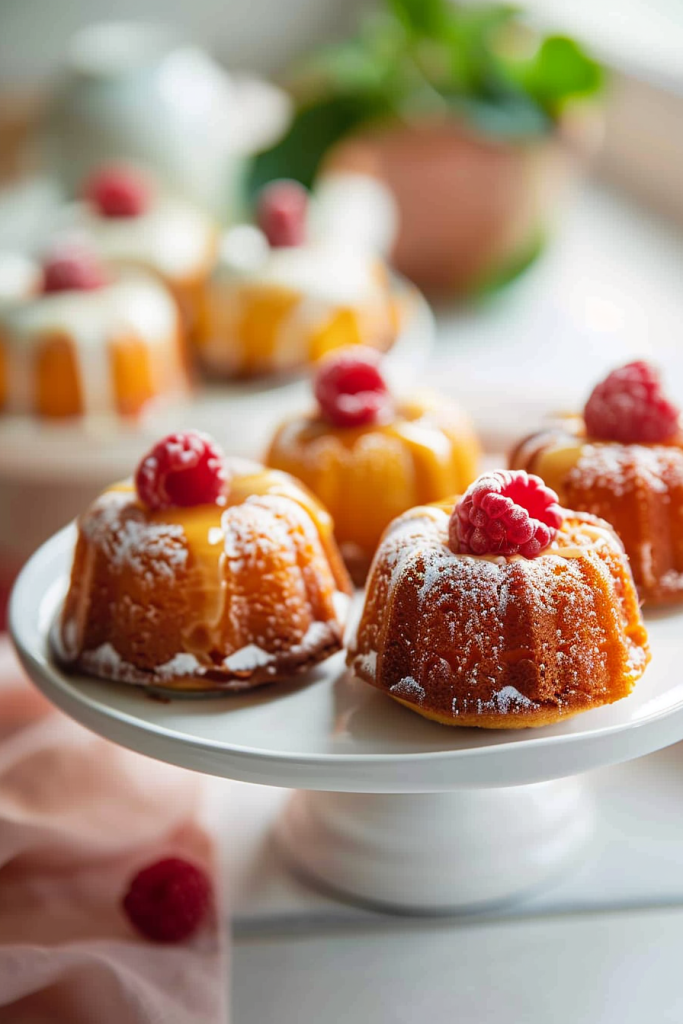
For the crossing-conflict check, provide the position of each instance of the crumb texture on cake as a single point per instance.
(500, 642)
(204, 598)
(637, 488)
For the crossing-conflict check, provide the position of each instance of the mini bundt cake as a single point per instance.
(205, 575)
(369, 457)
(128, 221)
(501, 610)
(89, 341)
(277, 302)
(623, 461)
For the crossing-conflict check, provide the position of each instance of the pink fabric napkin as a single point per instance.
(78, 817)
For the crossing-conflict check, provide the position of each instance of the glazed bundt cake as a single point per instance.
(623, 461)
(368, 457)
(277, 302)
(128, 221)
(88, 340)
(500, 610)
(204, 575)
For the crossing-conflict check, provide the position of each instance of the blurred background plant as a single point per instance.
(422, 59)
(475, 122)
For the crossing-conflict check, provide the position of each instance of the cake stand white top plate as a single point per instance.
(328, 731)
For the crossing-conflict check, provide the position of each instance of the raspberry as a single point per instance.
(630, 406)
(350, 389)
(182, 470)
(73, 269)
(168, 900)
(281, 213)
(119, 192)
(505, 512)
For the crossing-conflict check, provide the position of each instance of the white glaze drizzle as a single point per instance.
(135, 302)
(172, 237)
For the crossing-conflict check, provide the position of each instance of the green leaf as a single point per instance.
(515, 117)
(470, 37)
(313, 131)
(560, 70)
(351, 68)
(426, 58)
(489, 286)
(423, 17)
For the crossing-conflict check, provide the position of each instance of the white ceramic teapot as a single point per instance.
(135, 91)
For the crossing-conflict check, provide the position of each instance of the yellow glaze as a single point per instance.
(366, 476)
(205, 584)
(217, 596)
(249, 328)
(553, 464)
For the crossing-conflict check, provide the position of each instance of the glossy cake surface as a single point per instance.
(218, 597)
(495, 641)
(291, 308)
(638, 488)
(109, 350)
(368, 475)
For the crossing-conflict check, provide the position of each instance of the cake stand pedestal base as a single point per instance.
(437, 852)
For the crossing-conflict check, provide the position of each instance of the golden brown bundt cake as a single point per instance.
(623, 461)
(369, 457)
(278, 300)
(498, 639)
(131, 222)
(89, 340)
(205, 575)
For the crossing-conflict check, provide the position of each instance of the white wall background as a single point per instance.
(259, 34)
(265, 34)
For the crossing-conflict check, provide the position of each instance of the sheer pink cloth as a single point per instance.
(78, 817)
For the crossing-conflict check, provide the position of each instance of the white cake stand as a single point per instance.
(391, 809)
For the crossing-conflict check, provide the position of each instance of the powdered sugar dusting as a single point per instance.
(409, 689)
(510, 699)
(615, 466)
(259, 601)
(181, 665)
(106, 659)
(508, 636)
(247, 659)
(129, 540)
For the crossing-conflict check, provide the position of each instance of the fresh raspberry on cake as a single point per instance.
(630, 406)
(350, 388)
(281, 213)
(73, 268)
(119, 192)
(505, 512)
(169, 900)
(182, 470)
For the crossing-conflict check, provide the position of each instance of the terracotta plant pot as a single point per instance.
(473, 209)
